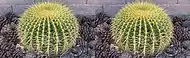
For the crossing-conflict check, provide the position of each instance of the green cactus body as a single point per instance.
(142, 28)
(48, 28)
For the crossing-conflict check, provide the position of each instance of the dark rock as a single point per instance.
(9, 28)
(186, 44)
(177, 20)
(186, 24)
(178, 33)
(102, 46)
(67, 55)
(81, 43)
(102, 27)
(113, 54)
(84, 56)
(90, 26)
(76, 51)
(10, 33)
(82, 19)
(93, 24)
(86, 33)
(9, 38)
(37, 55)
(102, 18)
(8, 46)
(30, 55)
(163, 55)
(7, 19)
(92, 44)
(180, 55)
(91, 52)
(9, 50)
(172, 50)
(104, 50)
(1, 38)
(186, 34)
(186, 52)
(103, 33)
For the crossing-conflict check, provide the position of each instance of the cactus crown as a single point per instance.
(142, 28)
(48, 28)
(141, 10)
(47, 10)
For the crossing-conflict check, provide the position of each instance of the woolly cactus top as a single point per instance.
(48, 10)
(141, 10)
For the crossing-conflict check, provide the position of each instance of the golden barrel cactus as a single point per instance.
(142, 28)
(48, 28)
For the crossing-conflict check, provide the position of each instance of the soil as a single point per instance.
(95, 41)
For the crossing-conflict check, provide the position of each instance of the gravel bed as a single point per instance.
(95, 41)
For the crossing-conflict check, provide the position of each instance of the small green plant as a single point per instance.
(48, 28)
(142, 28)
